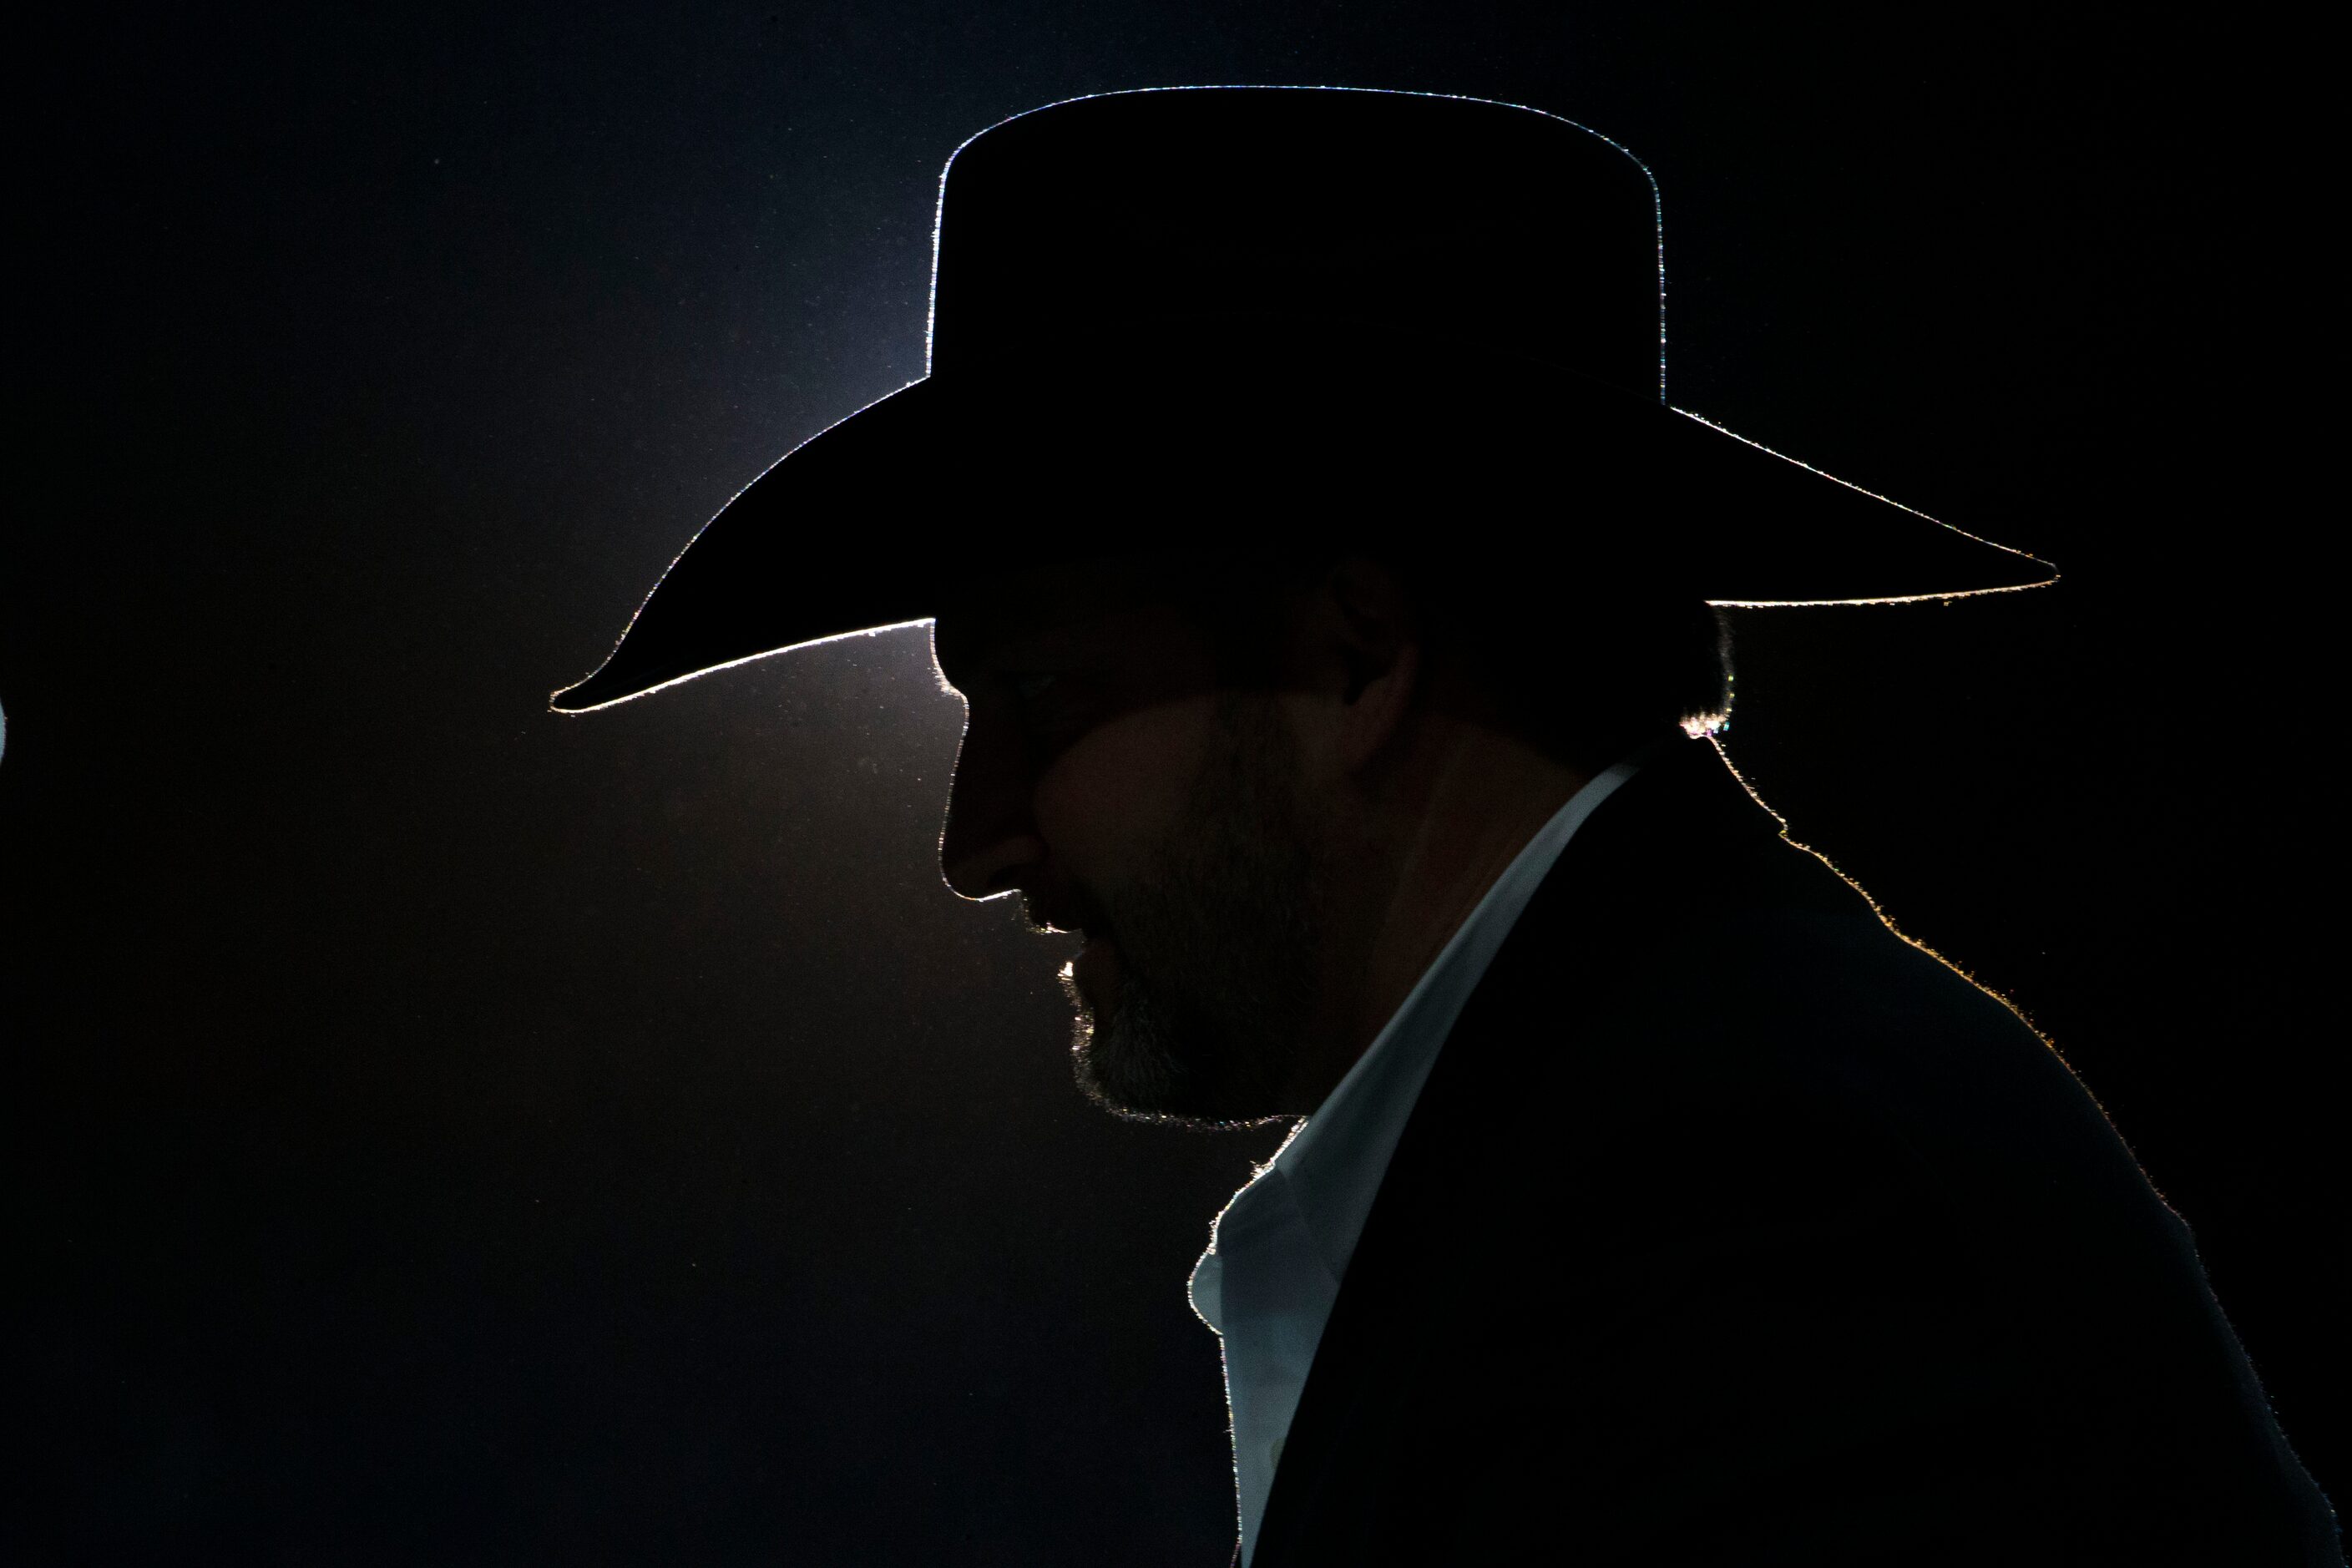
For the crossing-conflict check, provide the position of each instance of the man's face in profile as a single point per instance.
(1107, 776)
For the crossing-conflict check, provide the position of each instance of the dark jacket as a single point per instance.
(1731, 1228)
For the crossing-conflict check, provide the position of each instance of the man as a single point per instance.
(1294, 504)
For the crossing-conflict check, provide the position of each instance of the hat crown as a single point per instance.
(1075, 237)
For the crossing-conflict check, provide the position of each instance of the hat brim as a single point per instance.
(866, 525)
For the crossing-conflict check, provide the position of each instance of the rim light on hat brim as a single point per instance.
(800, 558)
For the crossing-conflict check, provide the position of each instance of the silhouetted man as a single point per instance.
(1296, 509)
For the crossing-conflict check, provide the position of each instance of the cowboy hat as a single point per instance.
(1198, 314)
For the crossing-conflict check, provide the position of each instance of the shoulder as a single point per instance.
(1778, 1031)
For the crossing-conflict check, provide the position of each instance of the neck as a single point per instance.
(1440, 829)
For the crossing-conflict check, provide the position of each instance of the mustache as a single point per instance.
(1073, 910)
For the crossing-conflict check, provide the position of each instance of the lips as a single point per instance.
(1095, 968)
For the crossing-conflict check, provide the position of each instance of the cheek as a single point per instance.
(1110, 798)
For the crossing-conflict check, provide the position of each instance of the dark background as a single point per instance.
(446, 1133)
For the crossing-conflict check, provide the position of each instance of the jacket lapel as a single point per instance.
(1658, 854)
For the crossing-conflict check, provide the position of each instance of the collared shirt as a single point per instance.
(1279, 1249)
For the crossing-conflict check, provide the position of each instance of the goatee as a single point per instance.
(1212, 952)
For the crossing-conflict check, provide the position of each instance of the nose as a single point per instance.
(988, 839)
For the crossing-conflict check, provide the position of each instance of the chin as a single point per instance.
(1132, 1068)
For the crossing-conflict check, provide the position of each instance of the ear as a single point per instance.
(1369, 639)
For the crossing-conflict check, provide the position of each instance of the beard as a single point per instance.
(1215, 946)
